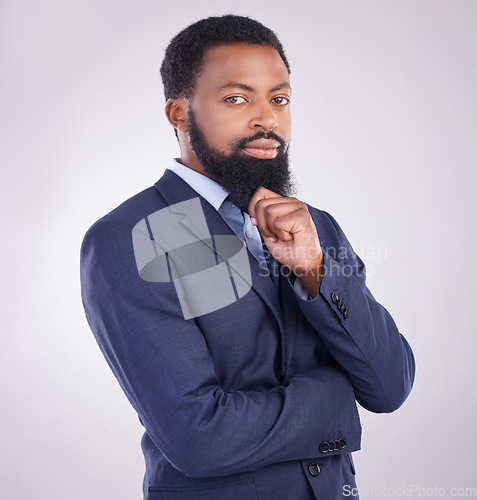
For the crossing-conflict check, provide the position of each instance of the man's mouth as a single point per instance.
(264, 149)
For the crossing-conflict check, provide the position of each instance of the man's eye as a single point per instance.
(281, 101)
(235, 99)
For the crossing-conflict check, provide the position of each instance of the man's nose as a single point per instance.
(263, 117)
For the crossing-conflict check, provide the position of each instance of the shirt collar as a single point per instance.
(213, 192)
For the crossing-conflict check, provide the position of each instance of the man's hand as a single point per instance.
(289, 233)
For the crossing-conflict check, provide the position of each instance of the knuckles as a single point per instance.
(269, 210)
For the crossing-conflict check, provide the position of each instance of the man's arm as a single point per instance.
(164, 366)
(357, 331)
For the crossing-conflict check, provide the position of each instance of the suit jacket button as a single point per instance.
(324, 447)
(314, 469)
(334, 298)
(342, 442)
(342, 307)
(345, 313)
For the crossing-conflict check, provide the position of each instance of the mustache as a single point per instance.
(240, 143)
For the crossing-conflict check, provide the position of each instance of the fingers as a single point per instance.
(260, 193)
(285, 227)
(282, 220)
(288, 230)
(277, 217)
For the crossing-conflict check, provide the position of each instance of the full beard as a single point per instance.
(240, 174)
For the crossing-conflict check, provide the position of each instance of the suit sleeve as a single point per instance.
(163, 365)
(358, 332)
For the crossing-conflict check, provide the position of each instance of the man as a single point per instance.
(235, 317)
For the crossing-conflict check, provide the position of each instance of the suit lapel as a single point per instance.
(175, 190)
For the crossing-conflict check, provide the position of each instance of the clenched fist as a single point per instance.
(289, 233)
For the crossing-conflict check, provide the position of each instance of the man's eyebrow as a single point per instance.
(237, 85)
(284, 85)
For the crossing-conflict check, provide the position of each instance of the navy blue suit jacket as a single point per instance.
(256, 399)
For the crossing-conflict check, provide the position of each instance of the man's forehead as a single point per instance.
(241, 65)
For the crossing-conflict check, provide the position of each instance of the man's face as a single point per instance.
(239, 120)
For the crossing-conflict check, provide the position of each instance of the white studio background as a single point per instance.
(385, 122)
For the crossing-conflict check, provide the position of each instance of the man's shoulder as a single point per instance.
(122, 219)
(116, 226)
(136, 207)
(140, 205)
(113, 230)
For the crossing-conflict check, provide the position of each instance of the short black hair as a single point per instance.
(186, 50)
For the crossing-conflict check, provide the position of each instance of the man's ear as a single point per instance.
(176, 112)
